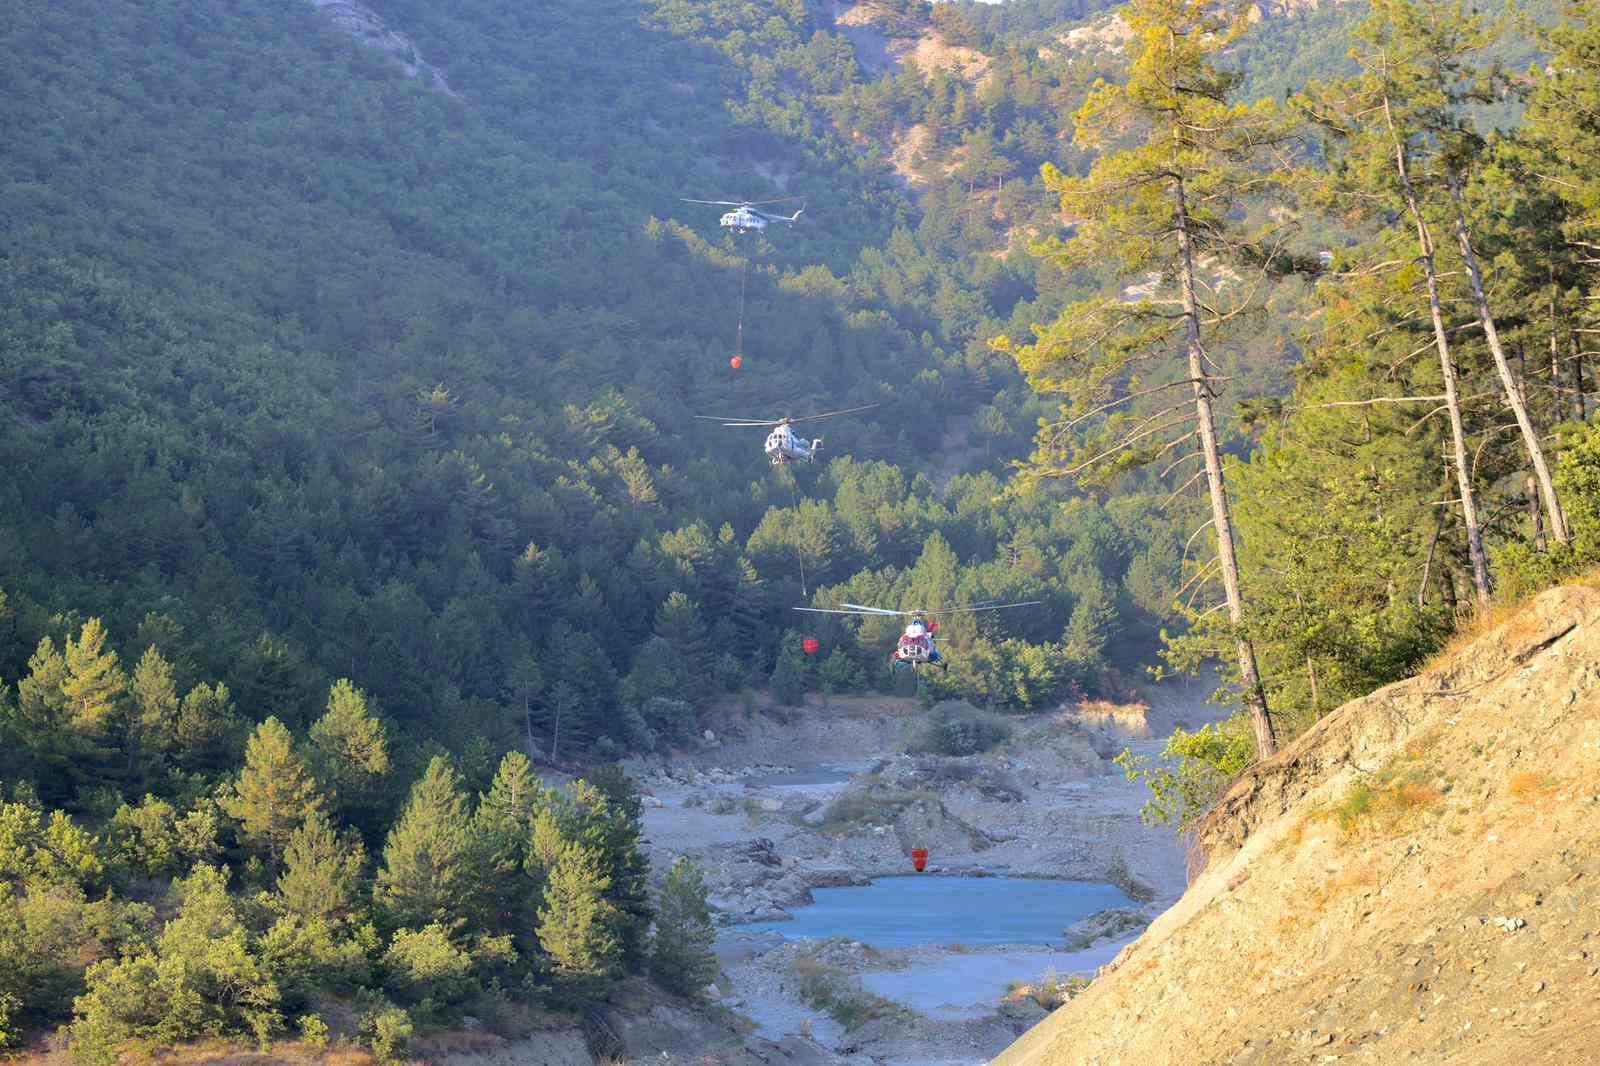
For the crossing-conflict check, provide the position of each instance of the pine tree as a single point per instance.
(609, 801)
(1407, 135)
(501, 834)
(425, 876)
(94, 684)
(207, 730)
(349, 752)
(678, 623)
(1157, 207)
(577, 925)
(152, 725)
(43, 724)
(681, 955)
(1553, 159)
(321, 873)
(789, 678)
(658, 672)
(274, 792)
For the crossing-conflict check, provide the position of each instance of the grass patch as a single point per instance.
(831, 991)
(1530, 785)
(1049, 992)
(1386, 804)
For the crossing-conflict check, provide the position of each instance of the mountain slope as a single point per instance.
(1416, 879)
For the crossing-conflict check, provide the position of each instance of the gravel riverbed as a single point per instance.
(777, 802)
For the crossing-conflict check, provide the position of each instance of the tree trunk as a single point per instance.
(1254, 695)
(1535, 515)
(1452, 399)
(1508, 381)
(1579, 411)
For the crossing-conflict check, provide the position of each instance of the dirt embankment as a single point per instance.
(1415, 880)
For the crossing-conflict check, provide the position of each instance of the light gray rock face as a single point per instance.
(367, 26)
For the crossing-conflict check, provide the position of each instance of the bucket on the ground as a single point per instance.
(919, 858)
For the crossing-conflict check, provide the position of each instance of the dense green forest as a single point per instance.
(328, 372)
(348, 422)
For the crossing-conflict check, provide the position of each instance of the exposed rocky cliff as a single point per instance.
(367, 26)
(1416, 879)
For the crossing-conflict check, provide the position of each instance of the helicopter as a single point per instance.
(782, 443)
(917, 647)
(744, 218)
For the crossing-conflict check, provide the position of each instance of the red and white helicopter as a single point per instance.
(917, 647)
(744, 218)
(782, 443)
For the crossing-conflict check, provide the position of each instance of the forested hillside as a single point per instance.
(327, 372)
(348, 426)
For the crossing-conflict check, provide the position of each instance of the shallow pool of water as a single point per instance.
(974, 911)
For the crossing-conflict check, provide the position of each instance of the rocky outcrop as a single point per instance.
(367, 26)
(1416, 879)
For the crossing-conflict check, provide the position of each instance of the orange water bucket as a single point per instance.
(919, 859)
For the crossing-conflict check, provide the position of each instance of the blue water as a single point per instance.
(973, 911)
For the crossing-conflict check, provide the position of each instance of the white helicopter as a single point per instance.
(782, 443)
(917, 647)
(744, 217)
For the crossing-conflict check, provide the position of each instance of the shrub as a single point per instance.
(201, 979)
(387, 1031)
(426, 964)
(956, 727)
(313, 1030)
(153, 840)
(831, 992)
(1198, 766)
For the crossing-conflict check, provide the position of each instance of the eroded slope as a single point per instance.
(1416, 880)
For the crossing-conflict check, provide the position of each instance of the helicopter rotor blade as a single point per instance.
(985, 607)
(835, 414)
(827, 610)
(731, 420)
(713, 203)
(876, 610)
(780, 200)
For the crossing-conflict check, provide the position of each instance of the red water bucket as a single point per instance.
(811, 645)
(919, 858)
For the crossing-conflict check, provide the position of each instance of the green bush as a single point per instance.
(313, 1030)
(956, 727)
(1196, 769)
(202, 978)
(387, 1031)
(425, 963)
(151, 839)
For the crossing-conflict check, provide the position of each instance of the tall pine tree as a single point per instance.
(1178, 161)
(425, 877)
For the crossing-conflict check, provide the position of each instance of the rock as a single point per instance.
(712, 992)
(651, 801)
(760, 850)
(771, 806)
(709, 736)
(1510, 924)
(367, 26)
